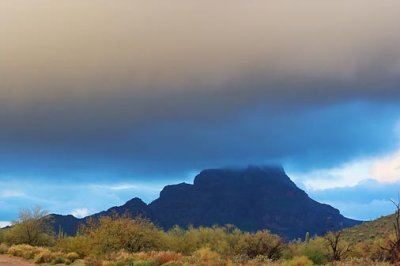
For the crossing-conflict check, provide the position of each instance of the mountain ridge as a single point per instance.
(254, 198)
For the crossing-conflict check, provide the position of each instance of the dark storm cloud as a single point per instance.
(183, 85)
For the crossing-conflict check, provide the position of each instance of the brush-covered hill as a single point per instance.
(254, 198)
(371, 230)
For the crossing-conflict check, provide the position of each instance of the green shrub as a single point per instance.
(299, 261)
(79, 244)
(33, 227)
(58, 260)
(111, 234)
(315, 250)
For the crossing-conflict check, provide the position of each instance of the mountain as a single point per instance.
(252, 199)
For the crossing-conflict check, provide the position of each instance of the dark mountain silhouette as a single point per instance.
(252, 199)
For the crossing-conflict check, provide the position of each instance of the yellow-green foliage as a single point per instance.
(260, 243)
(111, 234)
(45, 256)
(33, 227)
(122, 241)
(260, 261)
(361, 262)
(3, 248)
(315, 249)
(367, 231)
(220, 239)
(299, 261)
(79, 244)
(24, 251)
(72, 256)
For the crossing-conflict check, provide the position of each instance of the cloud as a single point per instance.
(95, 66)
(70, 197)
(367, 200)
(133, 92)
(11, 194)
(4, 223)
(93, 85)
(80, 212)
(348, 174)
(387, 169)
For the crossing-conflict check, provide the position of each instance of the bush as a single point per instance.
(260, 261)
(24, 251)
(3, 248)
(159, 258)
(206, 256)
(143, 263)
(315, 250)
(58, 260)
(45, 256)
(33, 228)
(111, 234)
(72, 256)
(261, 243)
(299, 261)
(78, 244)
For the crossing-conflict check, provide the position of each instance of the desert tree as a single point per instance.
(337, 247)
(33, 227)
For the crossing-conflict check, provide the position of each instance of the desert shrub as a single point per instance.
(315, 249)
(361, 262)
(220, 239)
(299, 261)
(33, 227)
(123, 258)
(111, 234)
(370, 249)
(205, 256)
(144, 263)
(261, 243)
(44, 256)
(72, 256)
(79, 244)
(24, 251)
(260, 261)
(2, 232)
(159, 258)
(58, 260)
(174, 263)
(95, 261)
(3, 248)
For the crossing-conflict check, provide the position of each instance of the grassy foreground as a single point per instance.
(118, 241)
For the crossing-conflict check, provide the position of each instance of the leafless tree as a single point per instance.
(337, 247)
(393, 245)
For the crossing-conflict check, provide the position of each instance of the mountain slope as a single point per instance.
(372, 230)
(252, 199)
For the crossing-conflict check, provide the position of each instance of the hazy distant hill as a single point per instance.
(254, 198)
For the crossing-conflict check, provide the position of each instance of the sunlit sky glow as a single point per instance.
(102, 101)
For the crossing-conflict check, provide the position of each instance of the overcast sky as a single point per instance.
(101, 101)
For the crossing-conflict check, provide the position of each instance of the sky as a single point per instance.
(102, 101)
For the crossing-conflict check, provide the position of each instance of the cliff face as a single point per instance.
(252, 199)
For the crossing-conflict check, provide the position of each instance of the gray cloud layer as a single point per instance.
(98, 76)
